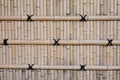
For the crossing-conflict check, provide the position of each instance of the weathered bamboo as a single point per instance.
(59, 67)
(63, 42)
(59, 18)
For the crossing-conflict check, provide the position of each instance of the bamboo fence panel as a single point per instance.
(31, 42)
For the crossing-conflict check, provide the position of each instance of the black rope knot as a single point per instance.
(5, 42)
(30, 66)
(56, 42)
(83, 17)
(82, 67)
(29, 17)
(109, 42)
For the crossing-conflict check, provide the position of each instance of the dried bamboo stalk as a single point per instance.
(58, 18)
(59, 67)
(63, 42)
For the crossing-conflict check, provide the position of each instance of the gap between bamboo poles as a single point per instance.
(61, 42)
(60, 67)
(59, 18)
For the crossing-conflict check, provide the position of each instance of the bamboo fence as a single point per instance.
(83, 39)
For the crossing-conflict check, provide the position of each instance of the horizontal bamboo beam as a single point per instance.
(60, 67)
(58, 18)
(62, 42)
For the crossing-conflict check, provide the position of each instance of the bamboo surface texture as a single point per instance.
(59, 18)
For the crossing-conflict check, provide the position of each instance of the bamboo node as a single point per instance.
(5, 42)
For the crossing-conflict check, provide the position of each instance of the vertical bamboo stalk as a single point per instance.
(47, 7)
(112, 50)
(111, 7)
(37, 31)
(64, 31)
(108, 7)
(54, 73)
(69, 52)
(61, 37)
(88, 48)
(15, 58)
(115, 7)
(32, 31)
(32, 35)
(93, 7)
(26, 55)
(28, 48)
(108, 48)
(85, 9)
(1, 46)
(105, 7)
(68, 60)
(101, 3)
(45, 60)
(67, 7)
(52, 36)
(1, 30)
(6, 7)
(78, 37)
(35, 55)
(1, 71)
(42, 62)
(1, 7)
(13, 54)
(81, 7)
(115, 47)
(39, 60)
(93, 31)
(105, 35)
(37, 5)
(11, 8)
(18, 9)
(3, 49)
(81, 38)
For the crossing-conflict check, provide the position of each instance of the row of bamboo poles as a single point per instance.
(59, 7)
(65, 30)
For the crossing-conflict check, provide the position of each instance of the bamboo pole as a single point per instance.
(59, 18)
(63, 42)
(59, 67)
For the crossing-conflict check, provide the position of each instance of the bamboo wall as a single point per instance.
(66, 55)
